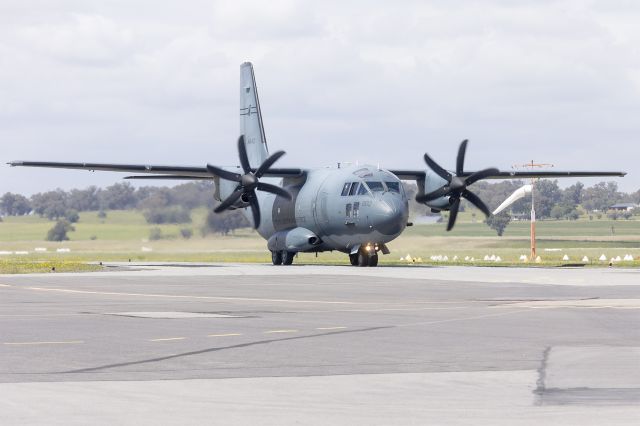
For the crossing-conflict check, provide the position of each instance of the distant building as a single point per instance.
(624, 207)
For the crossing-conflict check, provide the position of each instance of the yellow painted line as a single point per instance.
(182, 296)
(280, 331)
(225, 335)
(331, 328)
(167, 339)
(68, 342)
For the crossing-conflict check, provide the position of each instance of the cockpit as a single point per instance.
(370, 187)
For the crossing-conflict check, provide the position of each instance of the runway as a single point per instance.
(258, 344)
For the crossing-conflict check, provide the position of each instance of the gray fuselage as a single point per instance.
(373, 209)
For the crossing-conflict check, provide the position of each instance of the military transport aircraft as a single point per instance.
(355, 209)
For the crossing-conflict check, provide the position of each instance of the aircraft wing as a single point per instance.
(150, 171)
(420, 174)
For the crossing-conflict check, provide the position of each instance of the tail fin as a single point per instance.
(251, 117)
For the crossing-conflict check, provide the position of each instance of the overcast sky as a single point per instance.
(142, 81)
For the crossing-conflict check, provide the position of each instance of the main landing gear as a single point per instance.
(282, 257)
(364, 257)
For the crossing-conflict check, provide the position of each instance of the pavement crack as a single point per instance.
(217, 349)
(542, 376)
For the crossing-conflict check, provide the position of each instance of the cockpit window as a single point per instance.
(345, 189)
(363, 190)
(354, 188)
(393, 186)
(375, 186)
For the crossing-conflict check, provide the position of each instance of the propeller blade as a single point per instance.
(274, 190)
(453, 213)
(482, 174)
(476, 201)
(255, 209)
(229, 200)
(242, 153)
(436, 168)
(268, 163)
(423, 198)
(461, 154)
(224, 174)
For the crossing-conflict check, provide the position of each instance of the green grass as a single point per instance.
(15, 266)
(123, 235)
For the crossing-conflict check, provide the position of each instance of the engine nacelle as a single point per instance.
(296, 239)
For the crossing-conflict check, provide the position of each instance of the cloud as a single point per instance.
(555, 81)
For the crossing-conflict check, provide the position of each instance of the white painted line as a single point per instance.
(181, 296)
(331, 328)
(225, 335)
(5, 285)
(68, 342)
(167, 339)
(280, 331)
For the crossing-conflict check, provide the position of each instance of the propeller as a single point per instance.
(248, 182)
(456, 186)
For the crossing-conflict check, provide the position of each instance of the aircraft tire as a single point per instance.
(287, 257)
(353, 258)
(276, 257)
(363, 259)
(373, 260)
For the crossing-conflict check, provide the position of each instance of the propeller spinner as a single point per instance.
(248, 182)
(456, 186)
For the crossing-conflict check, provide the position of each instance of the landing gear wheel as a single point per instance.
(353, 258)
(363, 259)
(287, 257)
(276, 257)
(373, 260)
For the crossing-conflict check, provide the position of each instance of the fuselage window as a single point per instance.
(375, 186)
(354, 188)
(363, 190)
(356, 209)
(393, 186)
(347, 210)
(345, 189)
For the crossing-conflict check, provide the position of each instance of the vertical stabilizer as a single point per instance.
(251, 117)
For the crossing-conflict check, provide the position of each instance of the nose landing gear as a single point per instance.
(364, 257)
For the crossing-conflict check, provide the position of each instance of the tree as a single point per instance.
(168, 215)
(120, 196)
(72, 216)
(14, 204)
(59, 231)
(51, 204)
(224, 222)
(155, 234)
(547, 195)
(84, 200)
(601, 196)
(498, 222)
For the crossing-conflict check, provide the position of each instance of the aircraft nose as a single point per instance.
(390, 215)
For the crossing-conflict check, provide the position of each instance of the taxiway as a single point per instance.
(258, 344)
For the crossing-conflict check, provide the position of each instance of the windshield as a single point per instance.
(393, 186)
(375, 186)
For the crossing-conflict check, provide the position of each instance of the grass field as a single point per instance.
(123, 236)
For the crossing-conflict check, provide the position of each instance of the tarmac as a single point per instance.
(230, 344)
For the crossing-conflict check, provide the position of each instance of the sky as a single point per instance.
(378, 82)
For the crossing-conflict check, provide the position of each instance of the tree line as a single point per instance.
(174, 204)
(120, 196)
